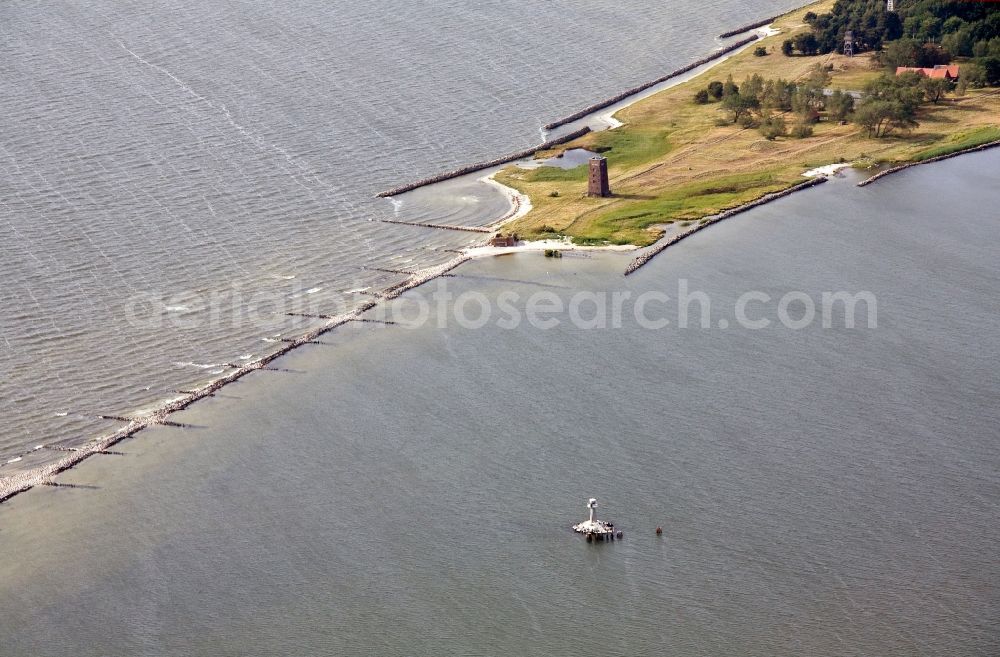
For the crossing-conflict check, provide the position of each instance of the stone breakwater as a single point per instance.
(661, 246)
(747, 28)
(901, 167)
(591, 109)
(23, 481)
(479, 166)
(467, 229)
(596, 107)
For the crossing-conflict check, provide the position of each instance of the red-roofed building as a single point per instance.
(941, 71)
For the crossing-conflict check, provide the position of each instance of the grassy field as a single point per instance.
(673, 161)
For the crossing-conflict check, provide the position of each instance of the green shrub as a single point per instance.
(802, 130)
(773, 127)
(760, 51)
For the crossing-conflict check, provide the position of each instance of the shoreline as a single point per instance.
(662, 245)
(751, 26)
(631, 95)
(608, 102)
(676, 162)
(15, 484)
(947, 156)
(479, 166)
(20, 482)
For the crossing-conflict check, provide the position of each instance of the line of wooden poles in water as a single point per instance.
(20, 482)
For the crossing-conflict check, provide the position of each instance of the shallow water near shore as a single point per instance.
(405, 491)
(168, 171)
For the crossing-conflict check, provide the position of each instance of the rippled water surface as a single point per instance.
(165, 169)
(175, 177)
(823, 492)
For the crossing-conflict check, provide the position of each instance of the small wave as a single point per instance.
(217, 371)
(177, 309)
(14, 460)
(61, 414)
(246, 357)
(357, 290)
(396, 205)
(313, 290)
(200, 366)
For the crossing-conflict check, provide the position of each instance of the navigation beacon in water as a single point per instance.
(595, 529)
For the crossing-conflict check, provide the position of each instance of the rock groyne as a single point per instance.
(479, 166)
(939, 158)
(661, 246)
(467, 229)
(18, 483)
(747, 28)
(596, 107)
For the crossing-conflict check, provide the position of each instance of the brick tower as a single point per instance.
(598, 181)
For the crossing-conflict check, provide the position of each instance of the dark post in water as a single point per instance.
(598, 183)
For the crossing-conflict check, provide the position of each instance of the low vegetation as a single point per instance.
(751, 126)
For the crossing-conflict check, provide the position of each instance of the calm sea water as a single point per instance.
(409, 492)
(175, 177)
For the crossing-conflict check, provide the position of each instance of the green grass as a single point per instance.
(630, 148)
(960, 142)
(555, 174)
(670, 162)
(629, 223)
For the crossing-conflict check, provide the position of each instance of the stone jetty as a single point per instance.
(747, 28)
(489, 164)
(14, 484)
(662, 245)
(901, 167)
(468, 229)
(596, 107)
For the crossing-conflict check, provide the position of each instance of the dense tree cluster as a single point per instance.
(802, 44)
(888, 104)
(767, 104)
(919, 33)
